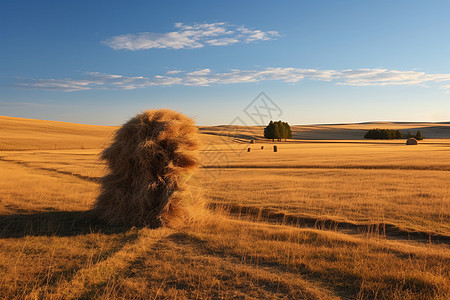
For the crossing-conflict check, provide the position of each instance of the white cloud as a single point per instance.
(67, 85)
(364, 77)
(171, 72)
(206, 77)
(190, 36)
(199, 72)
(222, 42)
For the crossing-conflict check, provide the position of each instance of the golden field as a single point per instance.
(329, 216)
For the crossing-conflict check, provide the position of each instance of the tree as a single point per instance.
(288, 130)
(269, 131)
(278, 130)
(418, 136)
(409, 135)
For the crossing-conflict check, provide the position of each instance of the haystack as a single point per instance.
(411, 141)
(149, 161)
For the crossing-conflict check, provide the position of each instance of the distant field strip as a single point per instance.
(355, 167)
(349, 167)
(28, 165)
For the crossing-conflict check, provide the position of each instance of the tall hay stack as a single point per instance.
(149, 161)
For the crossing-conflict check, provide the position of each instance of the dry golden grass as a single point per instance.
(334, 154)
(416, 201)
(25, 191)
(85, 163)
(20, 134)
(250, 247)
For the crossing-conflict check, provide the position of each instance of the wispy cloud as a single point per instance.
(190, 36)
(29, 104)
(206, 77)
(365, 77)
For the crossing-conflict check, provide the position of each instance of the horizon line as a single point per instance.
(218, 125)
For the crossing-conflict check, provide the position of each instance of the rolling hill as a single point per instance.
(30, 134)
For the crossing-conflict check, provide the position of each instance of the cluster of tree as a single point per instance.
(418, 136)
(389, 134)
(278, 130)
(383, 134)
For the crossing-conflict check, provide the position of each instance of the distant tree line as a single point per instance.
(390, 134)
(278, 130)
(383, 134)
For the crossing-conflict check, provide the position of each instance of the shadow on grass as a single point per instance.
(55, 223)
(382, 229)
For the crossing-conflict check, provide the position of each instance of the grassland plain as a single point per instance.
(317, 220)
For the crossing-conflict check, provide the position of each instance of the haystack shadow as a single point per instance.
(55, 223)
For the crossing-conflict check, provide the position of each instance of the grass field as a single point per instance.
(320, 219)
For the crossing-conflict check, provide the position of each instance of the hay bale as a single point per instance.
(411, 141)
(252, 141)
(275, 148)
(262, 147)
(149, 162)
(248, 149)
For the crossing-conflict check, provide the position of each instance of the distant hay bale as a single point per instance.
(411, 141)
(149, 161)
(252, 141)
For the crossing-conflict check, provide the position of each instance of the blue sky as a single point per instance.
(100, 62)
